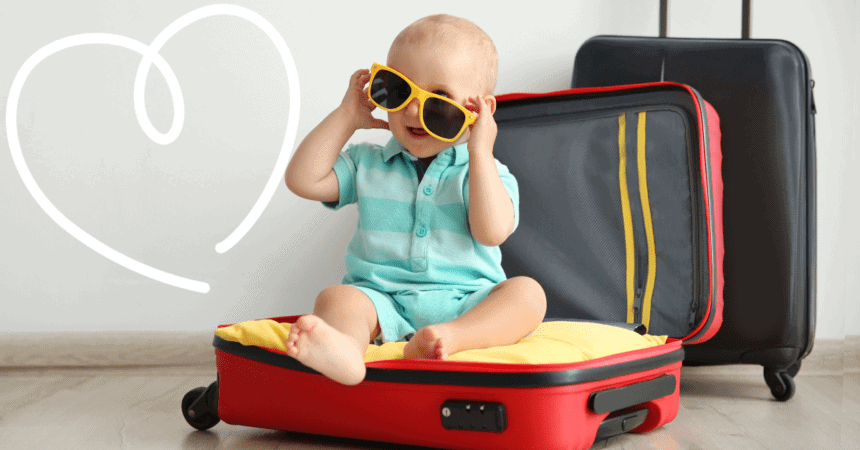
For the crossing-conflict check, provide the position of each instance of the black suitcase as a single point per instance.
(762, 90)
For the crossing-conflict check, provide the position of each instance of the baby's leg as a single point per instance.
(334, 338)
(512, 310)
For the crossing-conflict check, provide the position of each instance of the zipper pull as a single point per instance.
(637, 303)
(691, 321)
(812, 96)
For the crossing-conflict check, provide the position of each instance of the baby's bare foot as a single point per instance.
(430, 342)
(328, 351)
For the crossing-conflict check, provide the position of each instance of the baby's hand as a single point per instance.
(356, 104)
(483, 134)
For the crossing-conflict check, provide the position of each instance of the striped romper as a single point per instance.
(412, 252)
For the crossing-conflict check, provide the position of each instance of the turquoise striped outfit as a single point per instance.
(412, 252)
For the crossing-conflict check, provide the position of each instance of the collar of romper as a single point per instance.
(456, 155)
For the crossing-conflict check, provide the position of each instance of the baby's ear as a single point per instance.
(492, 101)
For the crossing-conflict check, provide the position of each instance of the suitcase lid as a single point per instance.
(648, 249)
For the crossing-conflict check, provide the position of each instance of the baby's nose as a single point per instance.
(413, 107)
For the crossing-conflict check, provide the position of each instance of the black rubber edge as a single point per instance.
(617, 399)
(478, 379)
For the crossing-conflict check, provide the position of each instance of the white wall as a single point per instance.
(167, 206)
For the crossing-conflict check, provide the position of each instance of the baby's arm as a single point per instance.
(491, 211)
(310, 174)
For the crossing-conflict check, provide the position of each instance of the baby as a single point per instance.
(433, 205)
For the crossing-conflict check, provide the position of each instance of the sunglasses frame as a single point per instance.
(422, 96)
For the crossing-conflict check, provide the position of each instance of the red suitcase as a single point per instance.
(462, 405)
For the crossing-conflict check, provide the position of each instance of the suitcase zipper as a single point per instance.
(647, 273)
(638, 228)
(640, 290)
(701, 309)
(640, 254)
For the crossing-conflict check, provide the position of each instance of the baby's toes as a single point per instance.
(440, 350)
(292, 341)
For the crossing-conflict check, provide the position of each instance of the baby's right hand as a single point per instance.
(357, 105)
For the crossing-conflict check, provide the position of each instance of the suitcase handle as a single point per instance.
(631, 395)
(745, 18)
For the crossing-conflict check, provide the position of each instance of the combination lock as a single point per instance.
(474, 416)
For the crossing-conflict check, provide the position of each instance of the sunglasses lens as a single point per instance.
(389, 90)
(443, 118)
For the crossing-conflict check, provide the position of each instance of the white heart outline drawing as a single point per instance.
(151, 56)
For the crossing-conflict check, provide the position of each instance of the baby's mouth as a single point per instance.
(417, 132)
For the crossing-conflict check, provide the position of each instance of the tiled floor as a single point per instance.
(138, 408)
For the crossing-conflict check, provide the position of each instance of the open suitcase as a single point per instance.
(762, 89)
(620, 220)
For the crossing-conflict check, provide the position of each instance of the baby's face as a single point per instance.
(449, 72)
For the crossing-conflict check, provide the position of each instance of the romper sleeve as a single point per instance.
(513, 189)
(345, 168)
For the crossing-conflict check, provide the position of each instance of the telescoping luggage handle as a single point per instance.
(745, 34)
(745, 18)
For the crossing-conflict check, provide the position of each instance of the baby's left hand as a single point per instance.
(483, 131)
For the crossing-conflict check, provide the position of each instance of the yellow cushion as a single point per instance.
(550, 343)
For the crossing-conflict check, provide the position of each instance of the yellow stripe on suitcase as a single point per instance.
(646, 216)
(628, 219)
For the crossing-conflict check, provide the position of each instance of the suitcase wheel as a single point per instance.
(200, 407)
(781, 382)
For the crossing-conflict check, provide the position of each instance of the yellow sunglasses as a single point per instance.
(441, 117)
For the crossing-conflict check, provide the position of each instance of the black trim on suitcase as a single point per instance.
(624, 397)
(477, 379)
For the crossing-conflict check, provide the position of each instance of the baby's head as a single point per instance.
(445, 55)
